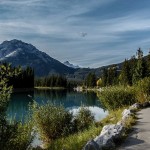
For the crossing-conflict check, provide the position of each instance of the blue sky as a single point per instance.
(88, 33)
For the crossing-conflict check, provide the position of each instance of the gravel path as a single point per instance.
(139, 139)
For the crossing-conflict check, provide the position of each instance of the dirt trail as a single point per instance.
(139, 138)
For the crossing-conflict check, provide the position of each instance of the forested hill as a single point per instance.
(81, 73)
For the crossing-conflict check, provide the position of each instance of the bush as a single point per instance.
(117, 97)
(83, 119)
(13, 135)
(143, 92)
(78, 140)
(52, 121)
(22, 137)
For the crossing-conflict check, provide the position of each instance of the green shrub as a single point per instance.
(83, 119)
(22, 137)
(75, 141)
(78, 140)
(143, 92)
(13, 135)
(52, 121)
(117, 97)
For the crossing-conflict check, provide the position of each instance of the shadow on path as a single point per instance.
(139, 138)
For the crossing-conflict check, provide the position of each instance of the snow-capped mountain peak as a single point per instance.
(67, 63)
(20, 53)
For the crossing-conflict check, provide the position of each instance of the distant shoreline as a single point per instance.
(38, 88)
(50, 88)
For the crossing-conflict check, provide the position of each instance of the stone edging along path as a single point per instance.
(111, 134)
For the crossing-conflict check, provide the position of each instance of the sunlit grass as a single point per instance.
(78, 140)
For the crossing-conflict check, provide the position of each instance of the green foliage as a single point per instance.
(143, 87)
(125, 77)
(139, 71)
(148, 65)
(99, 82)
(20, 138)
(134, 69)
(113, 117)
(83, 119)
(51, 81)
(110, 76)
(12, 135)
(90, 80)
(78, 140)
(117, 97)
(75, 141)
(25, 79)
(52, 121)
(139, 53)
(141, 67)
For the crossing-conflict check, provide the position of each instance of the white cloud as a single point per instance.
(54, 27)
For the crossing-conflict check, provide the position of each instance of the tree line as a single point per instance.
(132, 70)
(51, 81)
(21, 78)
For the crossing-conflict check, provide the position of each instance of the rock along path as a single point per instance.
(139, 138)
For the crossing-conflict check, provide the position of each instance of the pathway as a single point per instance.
(139, 139)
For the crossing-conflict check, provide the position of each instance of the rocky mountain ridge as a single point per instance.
(20, 53)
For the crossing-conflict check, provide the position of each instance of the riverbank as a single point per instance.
(78, 140)
(50, 88)
(18, 90)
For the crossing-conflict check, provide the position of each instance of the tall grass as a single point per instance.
(78, 140)
(117, 97)
(143, 90)
(53, 122)
(75, 141)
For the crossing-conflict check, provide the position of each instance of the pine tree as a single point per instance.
(125, 76)
(139, 71)
(104, 77)
(112, 76)
(90, 80)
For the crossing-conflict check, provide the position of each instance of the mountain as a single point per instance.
(20, 53)
(67, 63)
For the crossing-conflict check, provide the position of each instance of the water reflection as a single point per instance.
(71, 100)
(18, 105)
(96, 111)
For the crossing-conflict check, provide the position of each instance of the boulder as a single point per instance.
(120, 123)
(109, 135)
(135, 106)
(91, 145)
(113, 130)
(126, 114)
(105, 141)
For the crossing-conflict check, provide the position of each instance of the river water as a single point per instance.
(19, 103)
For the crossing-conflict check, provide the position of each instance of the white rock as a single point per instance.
(104, 141)
(135, 106)
(126, 114)
(108, 136)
